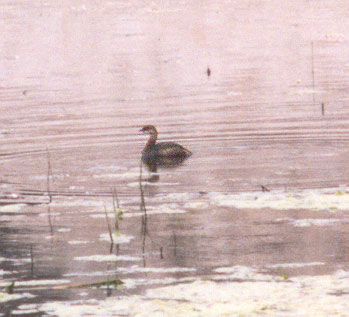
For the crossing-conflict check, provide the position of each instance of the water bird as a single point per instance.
(163, 153)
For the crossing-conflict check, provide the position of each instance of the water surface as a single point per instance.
(78, 81)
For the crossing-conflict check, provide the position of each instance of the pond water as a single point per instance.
(257, 90)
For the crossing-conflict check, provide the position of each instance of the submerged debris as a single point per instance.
(113, 283)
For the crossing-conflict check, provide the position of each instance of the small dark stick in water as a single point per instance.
(323, 109)
(109, 227)
(208, 72)
(313, 71)
(174, 244)
(31, 260)
(49, 173)
(265, 189)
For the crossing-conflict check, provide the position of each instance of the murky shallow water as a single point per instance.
(76, 84)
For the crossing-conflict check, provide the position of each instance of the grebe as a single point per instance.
(154, 152)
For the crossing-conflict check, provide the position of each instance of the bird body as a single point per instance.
(161, 151)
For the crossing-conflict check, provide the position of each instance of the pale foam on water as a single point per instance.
(298, 296)
(331, 200)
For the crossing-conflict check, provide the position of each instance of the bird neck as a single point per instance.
(152, 140)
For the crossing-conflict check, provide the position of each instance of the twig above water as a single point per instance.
(143, 207)
(31, 260)
(116, 208)
(109, 227)
(49, 173)
(312, 70)
(49, 220)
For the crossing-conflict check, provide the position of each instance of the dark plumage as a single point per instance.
(155, 152)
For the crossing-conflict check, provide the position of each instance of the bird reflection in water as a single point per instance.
(163, 154)
(153, 165)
